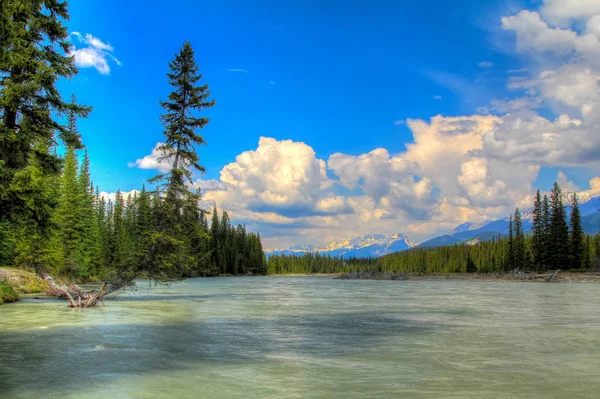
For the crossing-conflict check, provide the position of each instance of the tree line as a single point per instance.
(556, 241)
(53, 219)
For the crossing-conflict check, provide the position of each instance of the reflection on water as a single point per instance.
(297, 337)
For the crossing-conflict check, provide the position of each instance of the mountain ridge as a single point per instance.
(374, 245)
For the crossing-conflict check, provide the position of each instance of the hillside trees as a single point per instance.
(34, 56)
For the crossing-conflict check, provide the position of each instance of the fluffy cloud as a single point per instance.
(563, 11)
(153, 161)
(95, 54)
(112, 196)
(282, 176)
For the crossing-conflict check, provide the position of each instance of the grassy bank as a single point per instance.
(7, 294)
(22, 281)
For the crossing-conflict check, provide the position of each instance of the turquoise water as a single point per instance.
(309, 337)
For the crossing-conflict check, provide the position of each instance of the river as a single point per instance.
(309, 337)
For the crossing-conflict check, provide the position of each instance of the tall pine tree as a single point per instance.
(180, 131)
(520, 254)
(577, 237)
(510, 257)
(36, 56)
(538, 230)
(559, 230)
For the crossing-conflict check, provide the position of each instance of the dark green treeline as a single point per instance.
(555, 242)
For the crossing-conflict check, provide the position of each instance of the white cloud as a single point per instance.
(113, 196)
(96, 54)
(566, 184)
(564, 11)
(437, 97)
(153, 161)
(282, 175)
(534, 34)
(485, 64)
(237, 70)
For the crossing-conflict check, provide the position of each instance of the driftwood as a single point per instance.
(553, 276)
(373, 275)
(78, 298)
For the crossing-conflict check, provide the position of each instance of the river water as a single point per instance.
(309, 337)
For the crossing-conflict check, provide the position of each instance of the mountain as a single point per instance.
(469, 233)
(374, 245)
(371, 245)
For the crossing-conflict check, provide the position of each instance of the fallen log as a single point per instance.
(78, 298)
(553, 276)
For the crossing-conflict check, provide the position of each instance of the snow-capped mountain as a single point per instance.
(374, 245)
(587, 204)
(369, 245)
(470, 233)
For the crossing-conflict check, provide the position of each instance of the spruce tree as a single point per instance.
(181, 125)
(36, 56)
(215, 241)
(538, 231)
(88, 248)
(68, 216)
(510, 258)
(577, 236)
(559, 230)
(545, 234)
(180, 131)
(519, 241)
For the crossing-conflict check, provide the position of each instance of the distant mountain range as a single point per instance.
(374, 245)
(371, 245)
(473, 233)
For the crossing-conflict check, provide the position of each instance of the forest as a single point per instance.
(556, 242)
(53, 219)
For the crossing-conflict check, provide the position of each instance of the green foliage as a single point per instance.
(577, 236)
(7, 294)
(538, 232)
(35, 56)
(558, 235)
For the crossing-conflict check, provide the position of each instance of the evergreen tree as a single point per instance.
(577, 237)
(510, 262)
(545, 234)
(215, 242)
(538, 231)
(36, 55)
(68, 215)
(180, 127)
(559, 230)
(88, 249)
(520, 255)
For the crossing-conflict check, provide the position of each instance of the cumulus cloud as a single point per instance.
(564, 11)
(95, 54)
(567, 81)
(113, 196)
(284, 176)
(566, 184)
(153, 161)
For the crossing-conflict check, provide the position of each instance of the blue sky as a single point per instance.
(339, 76)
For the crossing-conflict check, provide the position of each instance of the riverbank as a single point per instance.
(15, 282)
(560, 277)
